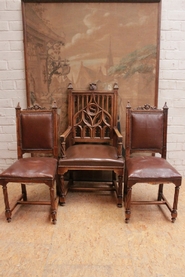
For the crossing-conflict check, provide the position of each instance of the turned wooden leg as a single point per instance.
(128, 204)
(24, 192)
(8, 212)
(175, 202)
(160, 192)
(62, 191)
(58, 185)
(53, 206)
(113, 178)
(125, 185)
(120, 192)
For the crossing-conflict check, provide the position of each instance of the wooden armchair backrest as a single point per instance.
(92, 115)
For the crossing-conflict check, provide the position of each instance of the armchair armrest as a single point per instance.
(64, 140)
(118, 141)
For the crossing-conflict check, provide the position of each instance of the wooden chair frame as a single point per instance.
(92, 123)
(144, 136)
(35, 146)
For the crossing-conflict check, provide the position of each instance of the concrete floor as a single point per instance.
(91, 238)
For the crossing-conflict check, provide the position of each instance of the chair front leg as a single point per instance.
(8, 212)
(128, 204)
(62, 191)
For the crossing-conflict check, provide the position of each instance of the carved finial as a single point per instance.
(70, 86)
(18, 106)
(115, 86)
(165, 106)
(54, 105)
(146, 107)
(92, 86)
(35, 107)
(128, 105)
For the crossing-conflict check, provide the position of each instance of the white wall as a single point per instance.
(12, 76)
(171, 77)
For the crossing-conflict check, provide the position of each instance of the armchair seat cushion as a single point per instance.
(149, 167)
(40, 167)
(91, 154)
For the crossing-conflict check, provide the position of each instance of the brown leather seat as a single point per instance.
(92, 140)
(36, 134)
(33, 167)
(150, 168)
(146, 132)
(91, 155)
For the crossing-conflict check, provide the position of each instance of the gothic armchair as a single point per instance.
(92, 140)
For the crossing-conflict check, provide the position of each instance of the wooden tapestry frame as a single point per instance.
(137, 71)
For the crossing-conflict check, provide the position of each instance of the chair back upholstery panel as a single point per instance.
(146, 130)
(37, 130)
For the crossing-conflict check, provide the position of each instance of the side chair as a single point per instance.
(146, 136)
(37, 135)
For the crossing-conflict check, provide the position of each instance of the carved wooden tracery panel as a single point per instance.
(94, 119)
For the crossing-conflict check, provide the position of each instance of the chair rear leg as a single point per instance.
(53, 205)
(70, 182)
(113, 178)
(58, 185)
(24, 192)
(125, 187)
(120, 192)
(8, 212)
(160, 192)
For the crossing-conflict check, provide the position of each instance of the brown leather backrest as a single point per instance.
(146, 130)
(37, 130)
